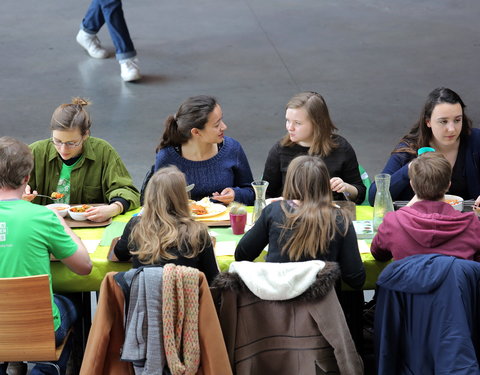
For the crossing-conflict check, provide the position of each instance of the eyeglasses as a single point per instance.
(58, 143)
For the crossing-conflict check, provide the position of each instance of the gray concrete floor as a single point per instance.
(374, 61)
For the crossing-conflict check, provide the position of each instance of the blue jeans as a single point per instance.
(110, 11)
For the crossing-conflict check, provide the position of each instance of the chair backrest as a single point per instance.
(26, 320)
(284, 318)
(426, 316)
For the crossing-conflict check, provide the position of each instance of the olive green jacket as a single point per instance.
(99, 175)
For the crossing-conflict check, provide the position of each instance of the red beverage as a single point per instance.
(238, 223)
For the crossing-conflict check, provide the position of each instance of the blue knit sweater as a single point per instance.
(229, 168)
(397, 167)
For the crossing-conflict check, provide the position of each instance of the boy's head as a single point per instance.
(16, 163)
(430, 176)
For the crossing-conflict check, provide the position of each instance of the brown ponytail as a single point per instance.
(171, 134)
(193, 113)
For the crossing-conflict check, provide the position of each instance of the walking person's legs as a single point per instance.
(90, 26)
(111, 13)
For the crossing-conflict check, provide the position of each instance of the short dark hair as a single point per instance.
(430, 175)
(16, 162)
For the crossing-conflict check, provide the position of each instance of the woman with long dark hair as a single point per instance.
(194, 141)
(444, 126)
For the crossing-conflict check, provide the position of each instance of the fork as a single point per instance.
(46, 196)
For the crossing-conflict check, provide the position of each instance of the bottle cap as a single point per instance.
(423, 150)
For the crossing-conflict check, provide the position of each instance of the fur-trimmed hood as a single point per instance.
(324, 282)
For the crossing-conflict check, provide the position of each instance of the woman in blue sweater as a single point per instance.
(444, 126)
(194, 141)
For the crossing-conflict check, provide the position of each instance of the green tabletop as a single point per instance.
(66, 281)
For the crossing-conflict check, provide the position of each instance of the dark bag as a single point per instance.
(147, 178)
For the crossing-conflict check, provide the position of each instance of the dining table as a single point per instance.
(98, 241)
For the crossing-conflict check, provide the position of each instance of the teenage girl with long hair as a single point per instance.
(311, 131)
(306, 225)
(443, 125)
(165, 232)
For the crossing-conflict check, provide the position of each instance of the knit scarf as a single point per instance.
(180, 319)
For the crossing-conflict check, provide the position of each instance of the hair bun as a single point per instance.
(80, 101)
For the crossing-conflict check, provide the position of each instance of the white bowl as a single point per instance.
(61, 208)
(78, 216)
(455, 201)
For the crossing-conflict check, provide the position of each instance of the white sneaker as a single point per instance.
(92, 45)
(129, 70)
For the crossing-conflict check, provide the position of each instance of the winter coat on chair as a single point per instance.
(426, 317)
(284, 318)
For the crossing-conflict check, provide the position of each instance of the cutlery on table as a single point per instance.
(46, 196)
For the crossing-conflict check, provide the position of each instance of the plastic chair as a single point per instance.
(26, 321)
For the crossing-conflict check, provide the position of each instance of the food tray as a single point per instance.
(86, 224)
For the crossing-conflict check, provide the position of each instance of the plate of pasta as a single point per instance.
(205, 208)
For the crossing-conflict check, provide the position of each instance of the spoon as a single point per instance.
(189, 187)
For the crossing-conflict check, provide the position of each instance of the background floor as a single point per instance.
(373, 61)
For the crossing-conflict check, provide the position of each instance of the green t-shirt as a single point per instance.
(64, 182)
(29, 233)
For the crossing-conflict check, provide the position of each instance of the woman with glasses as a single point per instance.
(83, 168)
(310, 131)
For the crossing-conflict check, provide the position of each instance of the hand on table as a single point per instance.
(103, 213)
(28, 195)
(227, 196)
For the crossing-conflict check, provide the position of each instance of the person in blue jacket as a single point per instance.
(444, 126)
(194, 141)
